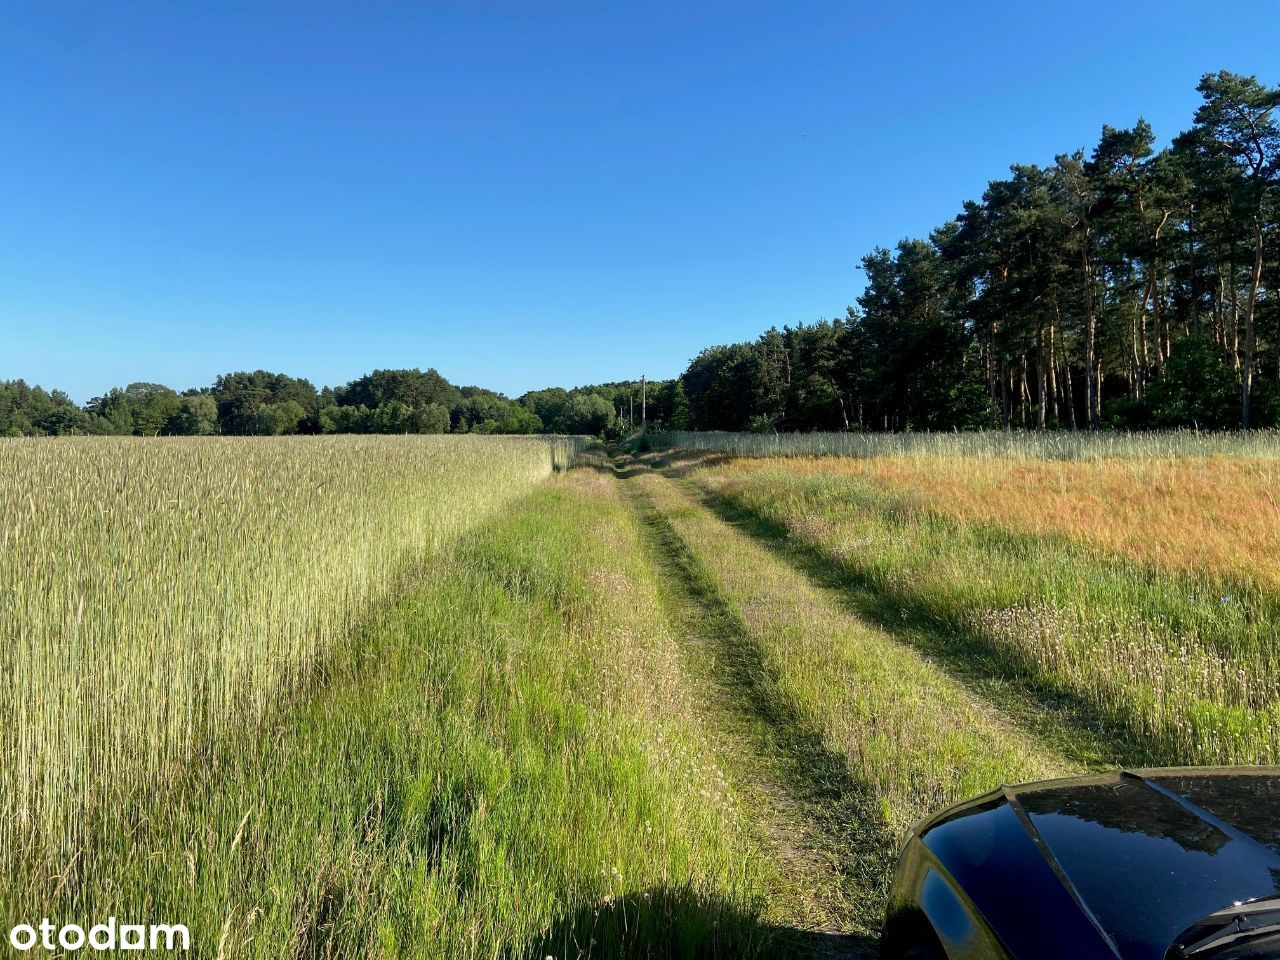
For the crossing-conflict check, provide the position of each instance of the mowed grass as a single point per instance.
(502, 761)
(1081, 579)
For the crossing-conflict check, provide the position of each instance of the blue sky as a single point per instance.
(520, 194)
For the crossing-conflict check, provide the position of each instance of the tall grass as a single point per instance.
(157, 592)
(1185, 659)
(503, 761)
(1263, 444)
(1216, 515)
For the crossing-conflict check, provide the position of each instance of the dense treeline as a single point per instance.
(1126, 287)
(385, 401)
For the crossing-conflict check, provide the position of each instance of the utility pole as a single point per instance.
(643, 418)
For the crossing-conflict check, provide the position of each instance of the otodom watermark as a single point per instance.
(107, 936)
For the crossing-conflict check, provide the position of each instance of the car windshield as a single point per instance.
(1239, 932)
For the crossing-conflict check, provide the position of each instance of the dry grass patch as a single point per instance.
(1214, 514)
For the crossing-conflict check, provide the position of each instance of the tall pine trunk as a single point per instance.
(1091, 386)
(1053, 376)
(1250, 336)
(1042, 400)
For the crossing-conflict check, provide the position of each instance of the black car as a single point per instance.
(1140, 865)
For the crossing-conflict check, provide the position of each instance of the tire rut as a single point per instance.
(818, 826)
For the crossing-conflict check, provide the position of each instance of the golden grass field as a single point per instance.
(1201, 513)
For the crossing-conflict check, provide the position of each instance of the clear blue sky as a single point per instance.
(527, 193)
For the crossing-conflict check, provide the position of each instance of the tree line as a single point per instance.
(1124, 286)
(271, 404)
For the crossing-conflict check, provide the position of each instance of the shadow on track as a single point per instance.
(1055, 715)
(842, 841)
(672, 923)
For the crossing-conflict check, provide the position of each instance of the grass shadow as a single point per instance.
(676, 923)
(1056, 715)
(688, 461)
(812, 776)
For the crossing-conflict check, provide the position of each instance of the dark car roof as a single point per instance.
(1138, 855)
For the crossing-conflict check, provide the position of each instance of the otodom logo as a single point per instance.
(110, 935)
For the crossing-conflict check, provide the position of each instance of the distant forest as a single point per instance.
(1122, 287)
(385, 401)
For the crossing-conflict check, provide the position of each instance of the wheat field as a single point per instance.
(157, 591)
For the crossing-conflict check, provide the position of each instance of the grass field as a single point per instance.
(1142, 588)
(442, 697)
